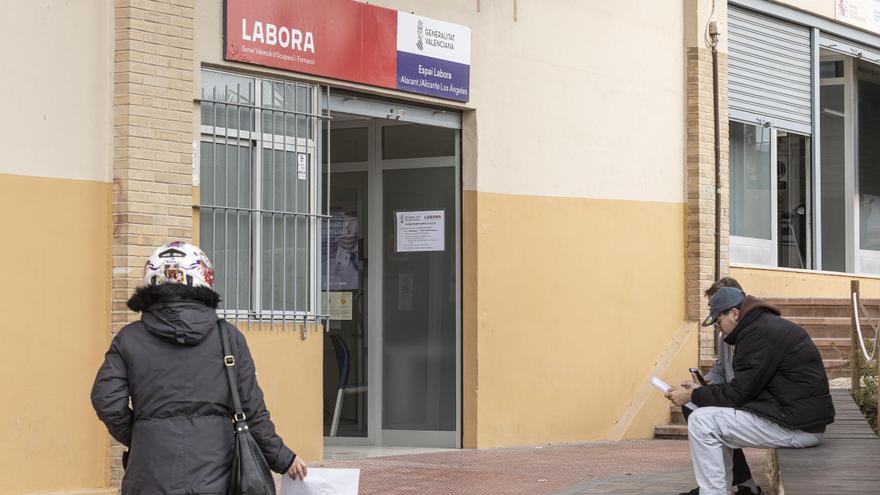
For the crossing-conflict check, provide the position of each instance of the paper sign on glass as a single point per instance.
(420, 231)
(323, 481)
(338, 304)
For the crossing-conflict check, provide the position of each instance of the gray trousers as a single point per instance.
(714, 431)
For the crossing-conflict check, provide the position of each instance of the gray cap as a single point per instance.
(723, 300)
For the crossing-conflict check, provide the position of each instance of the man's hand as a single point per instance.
(680, 395)
(298, 469)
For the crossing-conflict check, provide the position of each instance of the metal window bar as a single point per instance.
(223, 139)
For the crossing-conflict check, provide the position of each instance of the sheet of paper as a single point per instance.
(338, 304)
(323, 481)
(664, 387)
(421, 231)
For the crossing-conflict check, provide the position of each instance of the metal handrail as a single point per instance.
(857, 304)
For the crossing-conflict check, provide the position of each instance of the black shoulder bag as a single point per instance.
(250, 473)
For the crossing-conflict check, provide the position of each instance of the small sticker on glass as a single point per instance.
(301, 168)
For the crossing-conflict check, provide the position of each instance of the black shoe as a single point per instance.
(745, 490)
(695, 491)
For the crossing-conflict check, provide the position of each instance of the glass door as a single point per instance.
(420, 295)
(346, 342)
(392, 352)
(835, 115)
(420, 329)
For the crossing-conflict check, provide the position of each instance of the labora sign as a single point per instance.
(271, 35)
(352, 41)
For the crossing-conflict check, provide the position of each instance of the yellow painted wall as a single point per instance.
(289, 370)
(648, 407)
(576, 300)
(55, 302)
(794, 283)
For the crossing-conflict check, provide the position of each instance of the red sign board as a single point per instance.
(340, 39)
(352, 41)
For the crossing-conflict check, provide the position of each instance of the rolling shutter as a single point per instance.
(769, 71)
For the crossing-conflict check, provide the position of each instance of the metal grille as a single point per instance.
(260, 208)
(770, 71)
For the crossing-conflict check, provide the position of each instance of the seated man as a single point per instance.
(722, 372)
(778, 397)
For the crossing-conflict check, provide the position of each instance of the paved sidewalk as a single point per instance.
(635, 467)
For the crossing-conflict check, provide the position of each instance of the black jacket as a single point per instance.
(778, 372)
(178, 428)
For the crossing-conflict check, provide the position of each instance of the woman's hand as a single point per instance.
(298, 469)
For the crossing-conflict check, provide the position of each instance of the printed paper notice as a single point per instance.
(338, 305)
(421, 231)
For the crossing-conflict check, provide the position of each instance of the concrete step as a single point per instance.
(842, 307)
(824, 326)
(671, 432)
(832, 347)
(836, 368)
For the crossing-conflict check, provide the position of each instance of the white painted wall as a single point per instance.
(56, 80)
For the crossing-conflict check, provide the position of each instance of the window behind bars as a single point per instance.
(259, 206)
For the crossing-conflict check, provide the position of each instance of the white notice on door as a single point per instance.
(420, 231)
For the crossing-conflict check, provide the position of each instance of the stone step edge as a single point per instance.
(817, 301)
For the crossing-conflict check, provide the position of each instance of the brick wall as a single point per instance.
(152, 154)
(701, 185)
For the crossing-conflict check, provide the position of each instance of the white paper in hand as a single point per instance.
(323, 481)
(664, 387)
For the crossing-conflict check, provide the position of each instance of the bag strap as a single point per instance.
(229, 363)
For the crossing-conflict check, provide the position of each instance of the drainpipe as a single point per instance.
(716, 103)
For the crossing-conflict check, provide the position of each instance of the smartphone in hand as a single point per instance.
(697, 376)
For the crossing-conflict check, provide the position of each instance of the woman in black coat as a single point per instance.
(169, 364)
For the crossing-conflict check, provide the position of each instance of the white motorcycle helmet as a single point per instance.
(179, 263)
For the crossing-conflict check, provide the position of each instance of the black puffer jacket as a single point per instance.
(778, 372)
(179, 429)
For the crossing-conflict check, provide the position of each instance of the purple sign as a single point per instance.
(432, 76)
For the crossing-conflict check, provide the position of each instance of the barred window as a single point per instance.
(259, 206)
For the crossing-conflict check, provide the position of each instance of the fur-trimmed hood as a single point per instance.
(146, 296)
(177, 313)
